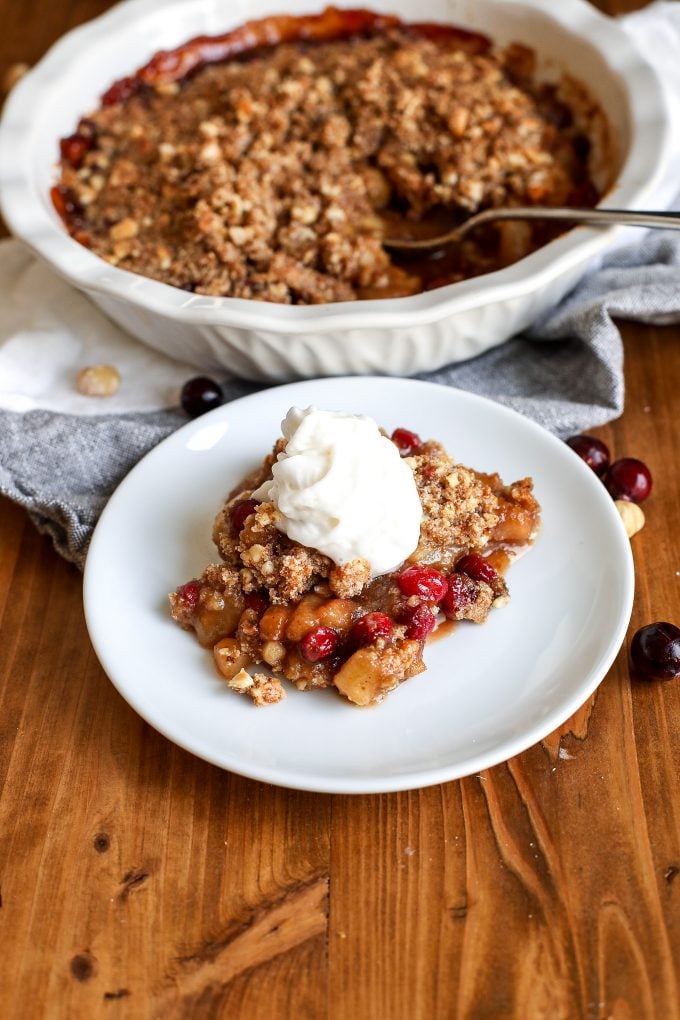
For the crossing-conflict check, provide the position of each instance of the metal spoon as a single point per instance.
(599, 217)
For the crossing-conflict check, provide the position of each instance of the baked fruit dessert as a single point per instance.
(344, 551)
(270, 163)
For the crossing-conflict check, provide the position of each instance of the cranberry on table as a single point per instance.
(478, 568)
(655, 651)
(367, 629)
(240, 512)
(420, 622)
(593, 451)
(319, 643)
(407, 442)
(425, 582)
(199, 395)
(629, 479)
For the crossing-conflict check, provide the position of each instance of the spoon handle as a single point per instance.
(596, 217)
(632, 218)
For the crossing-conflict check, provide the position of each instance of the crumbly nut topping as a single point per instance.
(349, 579)
(460, 511)
(263, 689)
(266, 178)
(272, 561)
(478, 608)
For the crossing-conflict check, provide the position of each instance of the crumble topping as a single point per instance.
(460, 510)
(287, 570)
(276, 177)
(263, 689)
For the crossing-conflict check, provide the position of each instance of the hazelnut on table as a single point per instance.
(98, 381)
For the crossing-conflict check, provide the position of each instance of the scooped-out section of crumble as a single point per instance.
(275, 609)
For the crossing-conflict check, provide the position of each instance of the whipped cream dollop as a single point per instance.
(341, 487)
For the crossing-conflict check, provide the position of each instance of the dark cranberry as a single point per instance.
(240, 512)
(420, 622)
(591, 450)
(120, 91)
(253, 600)
(319, 643)
(199, 395)
(425, 582)
(73, 149)
(187, 594)
(463, 591)
(369, 628)
(655, 651)
(406, 441)
(629, 479)
(477, 567)
(65, 203)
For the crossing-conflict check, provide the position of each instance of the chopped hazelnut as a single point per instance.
(124, 229)
(241, 682)
(98, 381)
(632, 515)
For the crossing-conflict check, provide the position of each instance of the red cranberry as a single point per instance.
(420, 622)
(199, 395)
(187, 594)
(73, 149)
(369, 628)
(120, 91)
(66, 204)
(240, 512)
(629, 479)
(425, 582)
(478, 568)
(253, 600)
(655, 651)
(463, 591)
(591, 450)
(319, 643)
(407, 442)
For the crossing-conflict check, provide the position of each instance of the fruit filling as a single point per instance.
(275, 609)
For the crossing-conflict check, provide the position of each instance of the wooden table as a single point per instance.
(138, 881)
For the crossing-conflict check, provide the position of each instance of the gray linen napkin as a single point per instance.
(566, 373)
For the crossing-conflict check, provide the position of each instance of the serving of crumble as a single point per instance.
(274, 609)
(271, 162)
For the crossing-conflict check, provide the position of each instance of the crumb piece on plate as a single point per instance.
(263, 689)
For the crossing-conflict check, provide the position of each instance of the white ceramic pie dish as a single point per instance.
(266, 341)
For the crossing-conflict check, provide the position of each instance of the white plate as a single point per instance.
(489, 692)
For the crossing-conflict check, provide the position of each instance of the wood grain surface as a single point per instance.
(139, 882)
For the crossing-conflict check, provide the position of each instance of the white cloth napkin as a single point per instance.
(49, 331)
